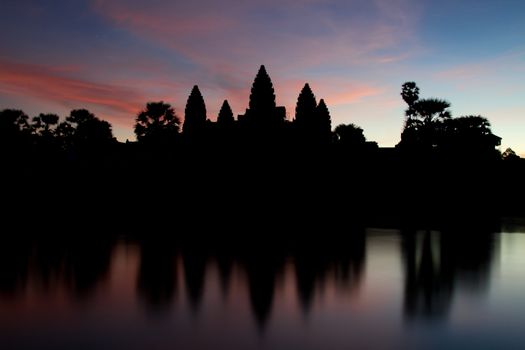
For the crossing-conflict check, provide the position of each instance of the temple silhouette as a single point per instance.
(260, 168)
(429, 128)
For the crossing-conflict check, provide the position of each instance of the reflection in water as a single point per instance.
(157, 279)
(344, 257)
(433, 262)
(428, 286)
(225, 266)
(436, 261)
(78, 265)
(14, 260)
(262, 269)
(194, 275)
(81, 265)
(271, 283)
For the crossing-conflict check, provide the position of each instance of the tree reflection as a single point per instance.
(437, 263)
(79, 265)
(428, 286)
(14, 265)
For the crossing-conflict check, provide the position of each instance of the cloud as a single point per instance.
(352, 95)
(53, 84)
(335, 91)
(285, 34)
(504, 70)
(143, 51)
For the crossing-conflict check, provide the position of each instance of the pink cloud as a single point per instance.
(493, 69)
(352, 95)
(299, 34)
(53, 84)
(335, 92)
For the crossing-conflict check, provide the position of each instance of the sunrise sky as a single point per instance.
(113, 56)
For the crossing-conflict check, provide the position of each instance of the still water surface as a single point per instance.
(381, 290)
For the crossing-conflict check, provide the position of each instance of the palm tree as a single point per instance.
(425, 119)
(156, 124)
(43, 123)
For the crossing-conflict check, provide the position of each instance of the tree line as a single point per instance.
(429, 128)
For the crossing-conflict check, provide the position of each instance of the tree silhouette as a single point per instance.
(13, 124)
(410, 92)
(80, 116)
(65, 129)
(349, 136)
(430, 111)
(69, 127)
(425, 119)
(225, 117)
(43, 124)
(43, 128)
(157, 124)
(15, 133)
(194, 114)
(95, 131)
(89, 134)
(470, 136)
(510, 155)
(429, 126)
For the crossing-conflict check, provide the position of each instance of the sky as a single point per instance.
(114, 56)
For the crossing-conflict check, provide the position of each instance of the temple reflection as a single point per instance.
(435, 265)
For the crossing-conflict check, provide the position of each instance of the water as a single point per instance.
(378, 290)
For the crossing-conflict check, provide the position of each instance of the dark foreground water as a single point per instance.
(381, 289)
